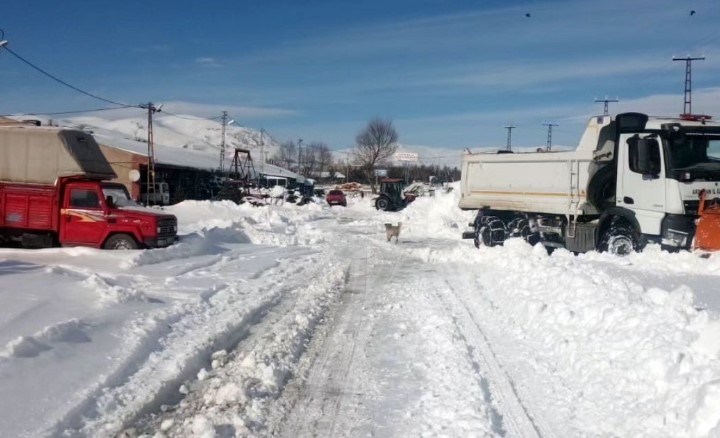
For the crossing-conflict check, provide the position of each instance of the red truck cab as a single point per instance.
(103, 215)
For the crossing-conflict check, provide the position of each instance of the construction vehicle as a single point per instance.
(633, 179)
(392, 196)
(55, 190)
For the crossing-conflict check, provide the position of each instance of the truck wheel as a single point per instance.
(382, 204)
(121, 241)
(619, 239)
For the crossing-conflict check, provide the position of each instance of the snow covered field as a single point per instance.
(303, 321)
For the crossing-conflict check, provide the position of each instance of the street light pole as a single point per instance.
(300, 140)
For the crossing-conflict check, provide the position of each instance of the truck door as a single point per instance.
(82, 218)
(640, 190)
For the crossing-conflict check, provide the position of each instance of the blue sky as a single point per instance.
(449, 73)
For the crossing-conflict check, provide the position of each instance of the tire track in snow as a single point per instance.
(330, 389)
(517, 418)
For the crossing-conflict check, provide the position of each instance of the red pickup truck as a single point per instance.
(54, 190)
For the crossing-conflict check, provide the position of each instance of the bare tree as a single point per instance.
(309, 160)
(374, 144)
(286, 154)
(324, 157)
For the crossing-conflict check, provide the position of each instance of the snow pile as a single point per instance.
(439, 215)
(287, 224)
(236, 393)
(642, 360)
(30, 346)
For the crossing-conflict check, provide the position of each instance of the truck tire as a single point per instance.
(620, 239)
(601, 189)
(121, 242)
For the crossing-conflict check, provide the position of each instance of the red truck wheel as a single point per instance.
(121, 241)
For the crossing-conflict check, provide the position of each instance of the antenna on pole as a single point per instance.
(607, 101)
(549, 138)
(150, 177)
(509, 137)
(687, 105)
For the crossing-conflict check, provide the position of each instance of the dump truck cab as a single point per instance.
(662, 167)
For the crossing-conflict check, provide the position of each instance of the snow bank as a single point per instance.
(616, 357)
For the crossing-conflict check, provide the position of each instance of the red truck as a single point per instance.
(55, 190)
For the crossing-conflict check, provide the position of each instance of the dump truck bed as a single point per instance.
(546, 182)
(533, 182)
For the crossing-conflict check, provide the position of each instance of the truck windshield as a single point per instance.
(694, 152)
(120, 196)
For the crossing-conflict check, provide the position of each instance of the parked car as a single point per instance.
(336, 197)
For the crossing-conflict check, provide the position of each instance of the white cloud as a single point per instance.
(208, 61)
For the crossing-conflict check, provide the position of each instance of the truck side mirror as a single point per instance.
(648, 156)
(109, 201)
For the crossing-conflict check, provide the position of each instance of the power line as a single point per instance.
(55, 78)
(193, 118)
(38, 113)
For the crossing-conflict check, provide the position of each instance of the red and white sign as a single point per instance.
(405, 156)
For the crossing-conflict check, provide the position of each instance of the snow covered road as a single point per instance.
(303, 321)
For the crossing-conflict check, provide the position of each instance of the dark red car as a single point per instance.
(336, 197)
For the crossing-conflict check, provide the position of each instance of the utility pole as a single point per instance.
(262, 151)
(509, 137)
(224, 119)
(606, 101)
(687, 105)
(549, 138)
(300, 140)
(150, 177)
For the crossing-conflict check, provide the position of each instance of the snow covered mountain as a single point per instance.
(186, 132)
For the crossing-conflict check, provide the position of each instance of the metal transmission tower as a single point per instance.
(687, 106)
(509, 137)
(549, 139)
(606, 101)
(150, 177)
(262, 151)
(224, 119)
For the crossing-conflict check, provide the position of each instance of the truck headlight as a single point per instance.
(675, 238)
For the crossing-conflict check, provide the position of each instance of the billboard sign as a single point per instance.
(405, 156)
(381, 172)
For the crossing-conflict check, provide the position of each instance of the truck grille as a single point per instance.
(168, 226)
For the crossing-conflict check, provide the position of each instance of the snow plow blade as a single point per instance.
(707, 234)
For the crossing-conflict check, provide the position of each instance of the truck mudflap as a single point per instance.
(707, 234)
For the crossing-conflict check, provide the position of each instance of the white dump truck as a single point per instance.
(632, 179)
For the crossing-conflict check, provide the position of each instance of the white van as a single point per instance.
(160, 196)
